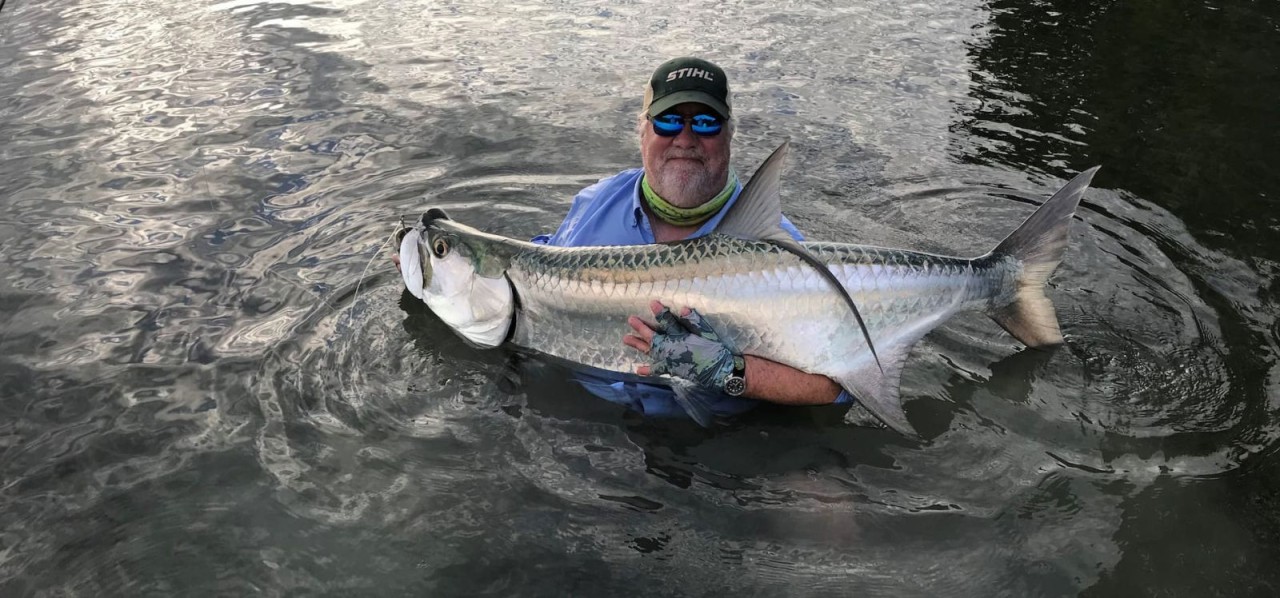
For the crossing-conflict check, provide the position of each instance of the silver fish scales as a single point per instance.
(762, 299)
(765, 294)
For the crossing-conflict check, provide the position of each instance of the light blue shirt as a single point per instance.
(609, 213)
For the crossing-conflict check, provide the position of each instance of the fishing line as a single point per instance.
(356, 294)
(354, 300)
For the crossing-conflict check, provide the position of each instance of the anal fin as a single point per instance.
(878, 391)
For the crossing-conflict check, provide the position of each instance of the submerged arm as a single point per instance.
(779, 383)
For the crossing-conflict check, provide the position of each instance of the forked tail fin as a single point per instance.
(1038, 245)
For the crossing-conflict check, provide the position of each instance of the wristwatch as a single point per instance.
(736, 383)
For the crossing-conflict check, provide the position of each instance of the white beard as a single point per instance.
(685, 184)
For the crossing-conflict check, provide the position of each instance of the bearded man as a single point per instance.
(683, 191)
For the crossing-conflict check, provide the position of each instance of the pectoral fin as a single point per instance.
(693, 399)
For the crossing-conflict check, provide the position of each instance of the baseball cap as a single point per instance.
(687, 79)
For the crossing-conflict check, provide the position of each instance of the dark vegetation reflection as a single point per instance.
(1177, 101)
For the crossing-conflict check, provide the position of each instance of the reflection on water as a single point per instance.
(1144, 89)
(213, 382)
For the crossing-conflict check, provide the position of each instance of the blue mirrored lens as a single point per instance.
(670, 125)
(706, 124)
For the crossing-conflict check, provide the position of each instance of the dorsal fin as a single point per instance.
(757, 216)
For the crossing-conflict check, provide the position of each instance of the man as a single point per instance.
(683, 191)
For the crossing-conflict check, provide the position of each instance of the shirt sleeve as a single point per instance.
(791, 229)
(581, 202)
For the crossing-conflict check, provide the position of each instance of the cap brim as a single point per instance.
(681, 97)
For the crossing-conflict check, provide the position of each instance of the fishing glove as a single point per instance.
(687, 347)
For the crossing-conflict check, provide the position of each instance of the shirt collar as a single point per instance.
(637, 215)
(638, 218)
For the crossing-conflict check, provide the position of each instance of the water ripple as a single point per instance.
(212, 382)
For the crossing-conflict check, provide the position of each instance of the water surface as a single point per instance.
(212, 382)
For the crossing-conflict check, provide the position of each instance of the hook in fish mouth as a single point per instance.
(401, 230)
(427, 218)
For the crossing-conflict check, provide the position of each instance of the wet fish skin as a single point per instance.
(761, 299)
(572, 302)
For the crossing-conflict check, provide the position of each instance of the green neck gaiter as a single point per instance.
(687, 216)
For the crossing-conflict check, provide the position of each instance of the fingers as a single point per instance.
(395, 258)
(668, 322)
(665, 322)
(636, 343)
(642, 346)
(657, 307)
(698, 325)
(642, 338)
(642, 329)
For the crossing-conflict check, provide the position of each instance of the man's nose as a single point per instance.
(686, 137)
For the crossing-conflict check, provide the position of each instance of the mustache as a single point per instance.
(685, 156)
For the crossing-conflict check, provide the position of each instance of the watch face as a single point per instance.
(735, 386)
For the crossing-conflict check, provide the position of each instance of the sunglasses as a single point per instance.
(703, 125)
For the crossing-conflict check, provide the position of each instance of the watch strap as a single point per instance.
(736, 384)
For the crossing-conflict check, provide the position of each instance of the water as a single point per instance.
(212, 382)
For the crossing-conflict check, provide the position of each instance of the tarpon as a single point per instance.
(761, 297)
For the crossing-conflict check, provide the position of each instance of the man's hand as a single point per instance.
(766, 380)
(683, 346)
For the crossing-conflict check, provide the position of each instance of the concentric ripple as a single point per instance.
(212, 383)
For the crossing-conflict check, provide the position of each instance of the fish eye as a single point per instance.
(440, 247)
